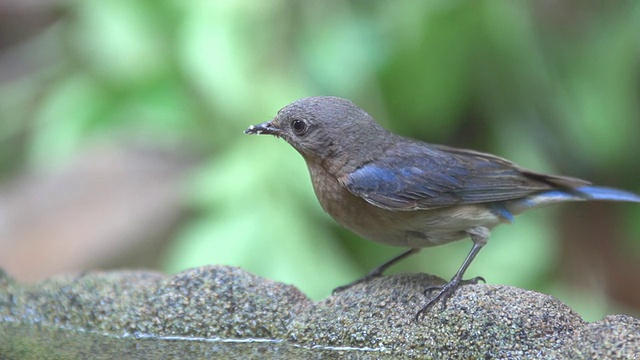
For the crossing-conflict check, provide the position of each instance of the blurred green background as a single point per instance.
(95, 94)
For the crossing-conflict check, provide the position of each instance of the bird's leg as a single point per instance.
(479, 235)
(377, 271)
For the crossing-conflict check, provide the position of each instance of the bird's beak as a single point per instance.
(264, 128)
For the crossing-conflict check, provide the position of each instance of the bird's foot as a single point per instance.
(377, 271)
(363, 279)
(445, 291)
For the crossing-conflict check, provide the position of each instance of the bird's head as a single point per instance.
(323, 126)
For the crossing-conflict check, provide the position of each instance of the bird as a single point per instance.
(404, 192)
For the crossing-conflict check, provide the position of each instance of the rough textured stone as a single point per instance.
(219, 310)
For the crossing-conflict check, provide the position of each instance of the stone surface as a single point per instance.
(225, 311)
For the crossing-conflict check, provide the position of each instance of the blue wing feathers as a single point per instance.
(420, 182)
(420, 177)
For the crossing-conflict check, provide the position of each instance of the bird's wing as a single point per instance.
(421, 176)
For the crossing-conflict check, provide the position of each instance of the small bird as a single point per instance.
(403, 192)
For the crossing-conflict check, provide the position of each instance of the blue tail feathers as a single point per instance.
(604, 193)
(583, 193)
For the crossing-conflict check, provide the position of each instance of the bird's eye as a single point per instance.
(299, 127)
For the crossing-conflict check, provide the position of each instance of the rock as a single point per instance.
(220, 311)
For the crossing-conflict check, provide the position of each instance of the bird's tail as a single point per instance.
(583, 193)
(609, 194)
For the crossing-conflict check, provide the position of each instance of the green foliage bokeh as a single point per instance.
(552, 87)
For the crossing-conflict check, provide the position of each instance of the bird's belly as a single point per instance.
(424, 228)
(416, 229)
(440, 226)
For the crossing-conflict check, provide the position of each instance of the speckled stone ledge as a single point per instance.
(373, 320)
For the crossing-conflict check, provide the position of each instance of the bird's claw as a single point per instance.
(473, 281)
(445, 292)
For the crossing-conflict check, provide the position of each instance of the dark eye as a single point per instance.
(299, 127)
